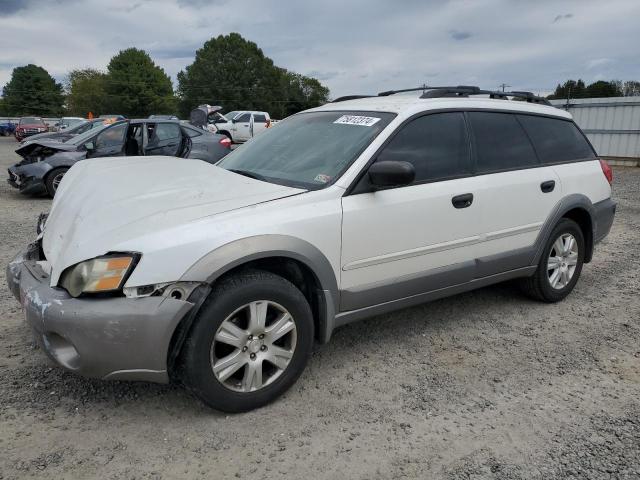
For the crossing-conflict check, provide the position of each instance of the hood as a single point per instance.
(31, 147)
(104, 203)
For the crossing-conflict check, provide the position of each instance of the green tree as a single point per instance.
(604, 89)
(234, 73)
(32, 90)
(136, 87)
(87, 92)
(569, 89)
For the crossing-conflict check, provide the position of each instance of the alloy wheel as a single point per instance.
(253, 346)
(562, 261)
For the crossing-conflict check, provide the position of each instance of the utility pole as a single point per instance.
(503, 86)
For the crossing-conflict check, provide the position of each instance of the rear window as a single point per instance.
(501, 143)
(259, 117)
(556, 140)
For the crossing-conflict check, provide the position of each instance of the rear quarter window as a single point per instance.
(556, 140)
(501, 143)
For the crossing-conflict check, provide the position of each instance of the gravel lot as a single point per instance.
(483, 385)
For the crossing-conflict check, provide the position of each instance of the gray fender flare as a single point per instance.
(574, 200)
(223, 259)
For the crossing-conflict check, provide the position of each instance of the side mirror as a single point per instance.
(89, 146)
(391, 173)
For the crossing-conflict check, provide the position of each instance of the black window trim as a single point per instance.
(355, 187)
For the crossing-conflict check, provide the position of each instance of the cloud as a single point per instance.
(566, 16)
(456, 35)
(370, 46)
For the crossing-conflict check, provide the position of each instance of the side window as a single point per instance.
(191, 132)
(501, 143)
(436, 145)
(112, 136)
(259, 118)
(167, 131)
(556, 140)
(245, 117)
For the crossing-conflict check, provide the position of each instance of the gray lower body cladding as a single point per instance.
(112, 338)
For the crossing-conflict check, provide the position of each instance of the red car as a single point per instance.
(29, 126)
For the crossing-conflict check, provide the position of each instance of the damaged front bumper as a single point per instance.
(29, 178)
(111, 338)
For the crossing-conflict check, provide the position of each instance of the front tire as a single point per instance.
(54, 177)
(560, 264)
(250, 342)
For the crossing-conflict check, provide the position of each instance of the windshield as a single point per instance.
(232, 114)
(84, 137)
(308, 150)
(31, 121)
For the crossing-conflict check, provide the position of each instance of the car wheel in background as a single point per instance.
(560, 264)
(250, 342)
(54, 177)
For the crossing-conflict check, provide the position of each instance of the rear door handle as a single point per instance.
(462, 201)
(548, 186)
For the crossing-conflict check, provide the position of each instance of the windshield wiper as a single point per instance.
(247, 173)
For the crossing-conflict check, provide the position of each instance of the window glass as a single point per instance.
(556, 140)
(111, 136)
(192, 132)
(308, 150)
(436, 145)
(245, 117)
(167, 131)
(501, 143)
(259, 117)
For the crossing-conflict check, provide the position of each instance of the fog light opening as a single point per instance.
(62, 350)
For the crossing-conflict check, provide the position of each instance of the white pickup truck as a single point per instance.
(242, 125)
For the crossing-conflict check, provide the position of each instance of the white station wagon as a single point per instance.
(221, 277)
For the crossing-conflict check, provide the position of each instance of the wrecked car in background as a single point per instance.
(67, 133)
(46, 161)
(28, 126)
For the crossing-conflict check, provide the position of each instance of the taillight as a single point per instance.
(225, 142)
(268, 124)
(608, 172)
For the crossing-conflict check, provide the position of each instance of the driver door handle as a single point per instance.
(462, 201)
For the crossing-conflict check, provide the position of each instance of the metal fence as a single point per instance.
(612, 124)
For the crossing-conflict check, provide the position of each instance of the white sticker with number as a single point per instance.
(357, 120)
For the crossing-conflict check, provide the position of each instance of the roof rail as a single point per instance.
(349, 97)
(465, 91)
(455, 91)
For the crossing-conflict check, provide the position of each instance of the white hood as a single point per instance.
(102, 203)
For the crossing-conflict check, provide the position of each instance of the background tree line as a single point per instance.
(601, 88)
(228, 71)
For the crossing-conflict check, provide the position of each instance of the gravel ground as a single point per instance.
(486, 384)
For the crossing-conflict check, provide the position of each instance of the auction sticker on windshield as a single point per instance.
(357, 120)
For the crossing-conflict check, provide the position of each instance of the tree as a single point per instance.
(87, 92)
(569, 89)
(32, 90)
(631, 88)
(603, 89)
(234, 73)
(137, 87)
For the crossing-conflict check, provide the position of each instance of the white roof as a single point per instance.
(407, 105)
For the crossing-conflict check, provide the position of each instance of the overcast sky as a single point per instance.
(351, 46)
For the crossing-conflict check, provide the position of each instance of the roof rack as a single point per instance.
(465, 91)
(457, 91)
(350, 97)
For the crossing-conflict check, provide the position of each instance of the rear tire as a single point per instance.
(227, 358)
(560, 264)
(54, 177)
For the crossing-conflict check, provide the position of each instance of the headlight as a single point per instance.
(103, 274)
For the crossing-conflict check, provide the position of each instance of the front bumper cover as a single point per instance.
(111, 338)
